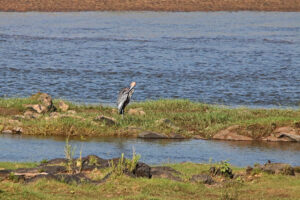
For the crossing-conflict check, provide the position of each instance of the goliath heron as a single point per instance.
(124, 97)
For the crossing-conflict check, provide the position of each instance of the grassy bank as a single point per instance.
(255, 186)
(149, 5)
(166, 116)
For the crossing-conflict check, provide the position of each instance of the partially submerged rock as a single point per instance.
(231, 134)
(176, 136)
(284, 134)
(152, 135)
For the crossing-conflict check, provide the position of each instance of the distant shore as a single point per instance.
(148, 5)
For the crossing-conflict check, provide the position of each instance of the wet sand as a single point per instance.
(148, 5)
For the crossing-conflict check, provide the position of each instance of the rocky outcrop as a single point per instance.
(284, 134)
(57, 169)
(231, 134)
(45, 103)
(276, 168)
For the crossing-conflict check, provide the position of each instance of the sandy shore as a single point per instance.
(148, 5)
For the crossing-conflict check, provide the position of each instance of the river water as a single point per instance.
(231, 58)
(29, 148)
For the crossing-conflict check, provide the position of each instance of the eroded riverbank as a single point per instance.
(148, 5)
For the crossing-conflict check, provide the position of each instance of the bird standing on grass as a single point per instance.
(124, 97)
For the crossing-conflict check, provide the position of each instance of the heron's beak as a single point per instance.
(132, 85)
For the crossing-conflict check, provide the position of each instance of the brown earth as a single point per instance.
(148, 5)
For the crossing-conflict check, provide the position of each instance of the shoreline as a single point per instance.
(148, 5)
(93, 177)
(160, 119)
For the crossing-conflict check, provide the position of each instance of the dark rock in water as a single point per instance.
(202, 178)
(107, 120)
(152, 135)
(142, 170)
(165, 172)
(277, 168)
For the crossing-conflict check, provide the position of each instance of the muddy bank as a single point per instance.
(148, 5)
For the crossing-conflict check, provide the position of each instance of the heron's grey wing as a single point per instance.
(123, 95)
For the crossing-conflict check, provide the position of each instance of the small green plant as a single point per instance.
(224, 166)
(131, 164)
(92, 160)
(124, 164)
(44, 161)
(79, 162)
(69, 154)
(118, 170)
(13, 177)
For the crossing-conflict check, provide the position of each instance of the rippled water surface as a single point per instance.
(28, 148)
(239, 58)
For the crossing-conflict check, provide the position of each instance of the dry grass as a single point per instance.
(148, 5)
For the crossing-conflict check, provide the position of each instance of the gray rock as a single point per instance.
(152, 135)
(277, 168)
(106, 120)
(142, 170)
(202, 178)
(165, 172)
